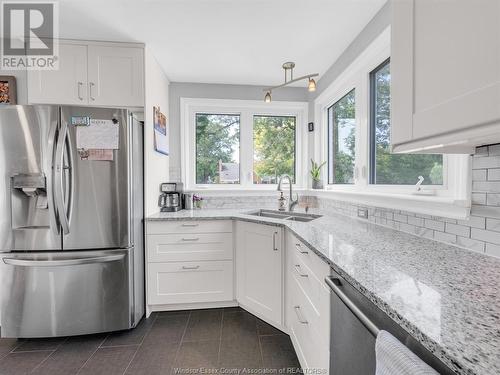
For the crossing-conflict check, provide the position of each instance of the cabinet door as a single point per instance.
(259, 270)
(67, 85)
(116, 76)
(445, 68)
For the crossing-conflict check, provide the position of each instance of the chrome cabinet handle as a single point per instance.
(190, 239)
(59, 263)
(299, 315)
(80, 84)
(275, 248)
(91, 85)
(190, 268)
(298, 269)
(190, 225)
(298, 246)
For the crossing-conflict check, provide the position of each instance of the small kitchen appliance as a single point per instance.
(170, 198)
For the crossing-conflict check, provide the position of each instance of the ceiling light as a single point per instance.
(267, 98)
(288, 68)
(311, 85)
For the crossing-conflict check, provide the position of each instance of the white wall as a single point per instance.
(156, 164)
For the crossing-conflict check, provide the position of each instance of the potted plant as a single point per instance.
(197, 201)
(316, 174)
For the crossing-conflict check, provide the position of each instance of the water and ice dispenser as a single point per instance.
(29, 201)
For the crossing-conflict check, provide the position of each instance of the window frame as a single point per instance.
(456, 176)
(246, 109)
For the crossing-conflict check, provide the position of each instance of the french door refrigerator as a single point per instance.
(71, 220)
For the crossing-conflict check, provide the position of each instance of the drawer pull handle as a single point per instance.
(190, 225)
(190, 268)
(299, 249)
(299, 315)
(297, 268)
(191, 239)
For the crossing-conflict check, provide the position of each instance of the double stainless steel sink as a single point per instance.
(285, 215)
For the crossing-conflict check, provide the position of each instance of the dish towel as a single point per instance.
(394, 358)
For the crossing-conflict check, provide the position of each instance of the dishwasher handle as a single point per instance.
(334, 283)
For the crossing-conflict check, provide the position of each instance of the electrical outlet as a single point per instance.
(363, 213)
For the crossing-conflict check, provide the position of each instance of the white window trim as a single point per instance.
(246, 109)
(451, 199)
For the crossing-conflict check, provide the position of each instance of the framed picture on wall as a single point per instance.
(8, 90)
(160, 131)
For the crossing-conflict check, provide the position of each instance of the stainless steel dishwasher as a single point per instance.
(355, 323)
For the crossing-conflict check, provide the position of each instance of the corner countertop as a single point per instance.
(446, 297)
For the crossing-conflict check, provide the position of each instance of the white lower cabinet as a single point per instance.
(190, 282)
(279, 279)
(259, 266)
(307, 301)
(189, 264)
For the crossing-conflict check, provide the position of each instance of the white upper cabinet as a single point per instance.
(259, 270)
(91, 74)
(67, 85)
(116, 76)
(445, 68)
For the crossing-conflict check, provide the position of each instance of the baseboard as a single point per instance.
(189, 306)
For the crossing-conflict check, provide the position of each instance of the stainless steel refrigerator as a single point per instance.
(71, 220)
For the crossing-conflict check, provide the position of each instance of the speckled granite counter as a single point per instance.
(448, 298)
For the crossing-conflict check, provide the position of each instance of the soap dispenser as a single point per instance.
(282, 202)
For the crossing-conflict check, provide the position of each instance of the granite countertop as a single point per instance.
(446, 297)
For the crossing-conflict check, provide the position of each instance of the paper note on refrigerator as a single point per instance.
(100, 134)
(100, 155)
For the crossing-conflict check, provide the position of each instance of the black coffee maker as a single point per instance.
(170, 198)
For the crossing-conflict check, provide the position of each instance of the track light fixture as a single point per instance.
(267, 98)
(311, 86)
(288, 68)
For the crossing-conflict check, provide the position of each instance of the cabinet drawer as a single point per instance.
(312, 339)
(184, 226)
(190, 247)
(307, 256)
(317, 320)
(317, 294)
(190, 282)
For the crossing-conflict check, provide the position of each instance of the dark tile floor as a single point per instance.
(179, 342)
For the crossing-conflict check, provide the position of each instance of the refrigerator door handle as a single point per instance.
(54, 223)
(59, 179)
(69, 175)
(65, 262)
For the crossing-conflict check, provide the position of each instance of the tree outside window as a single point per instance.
(388, 168)
(342, 140)
(217, 149)
(274, 148)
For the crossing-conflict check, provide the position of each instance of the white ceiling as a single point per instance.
(225, 41)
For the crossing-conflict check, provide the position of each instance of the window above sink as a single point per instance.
(243, 144)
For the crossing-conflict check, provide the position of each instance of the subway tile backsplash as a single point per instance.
(480, 233)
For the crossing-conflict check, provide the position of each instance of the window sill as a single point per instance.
(427, 205)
